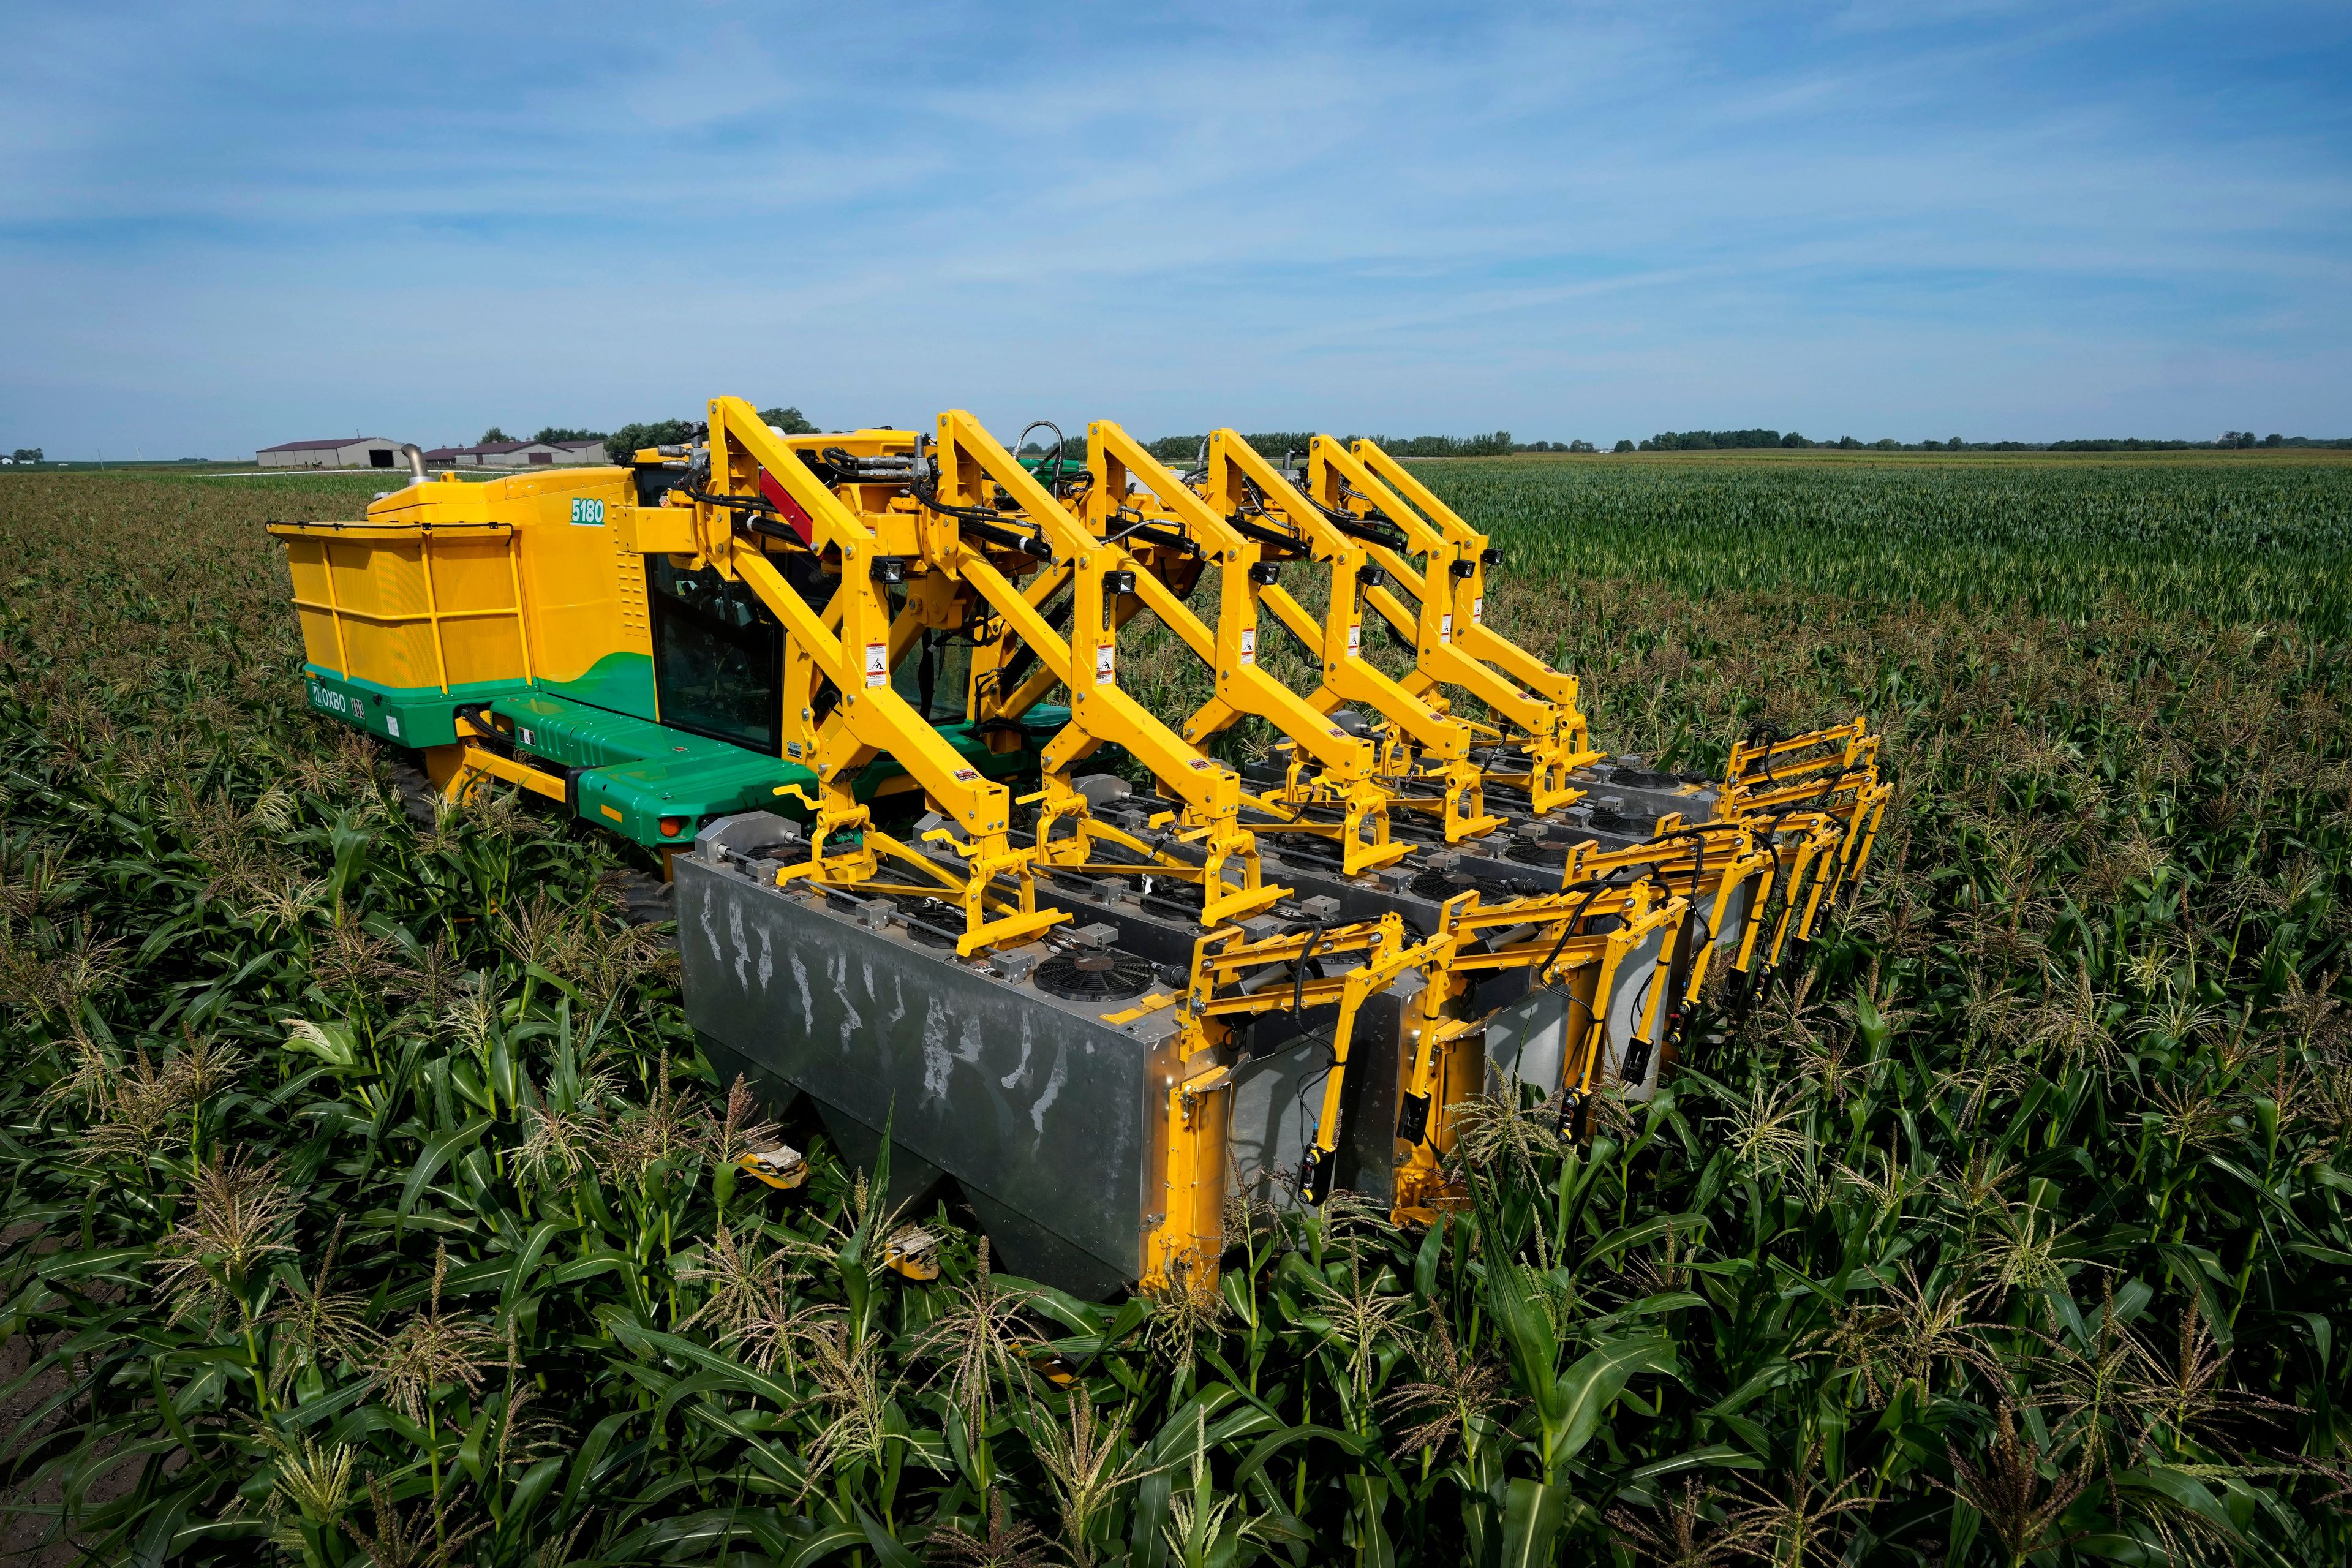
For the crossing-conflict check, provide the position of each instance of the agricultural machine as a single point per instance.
(938, 871)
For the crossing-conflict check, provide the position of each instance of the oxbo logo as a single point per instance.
(328, 699)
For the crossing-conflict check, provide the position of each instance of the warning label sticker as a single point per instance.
(965, 775)
(877, 664)
(1104, 669)
(1355, 639)
(1445, 628)
(1249, 644)
(1479, 611)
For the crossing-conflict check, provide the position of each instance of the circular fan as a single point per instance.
(1643, 778)
(1553, 854)
(1638, 824)
(934, 922)
(1436, 886)
(1104, 975)
(1492, 881)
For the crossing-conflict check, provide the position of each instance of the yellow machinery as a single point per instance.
(939, 871)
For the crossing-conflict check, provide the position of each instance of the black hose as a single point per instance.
(1298, 970)
(1291, 546)
(1771, 737)
(1028, 545)
(1010, 672)
(1042, 425)
(1152, 534)
(1354, 527)
(1597, 885)
(734, 503)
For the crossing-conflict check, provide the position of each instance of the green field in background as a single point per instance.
(2206, 536)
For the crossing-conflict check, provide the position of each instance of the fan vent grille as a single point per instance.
(1109, 975)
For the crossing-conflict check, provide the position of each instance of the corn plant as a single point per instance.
(367, 1199)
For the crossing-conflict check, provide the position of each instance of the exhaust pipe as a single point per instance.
(416, 456)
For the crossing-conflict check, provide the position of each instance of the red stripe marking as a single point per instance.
(802, 525)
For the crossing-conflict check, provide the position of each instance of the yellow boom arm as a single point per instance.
(1240, 477)
(1119, 463)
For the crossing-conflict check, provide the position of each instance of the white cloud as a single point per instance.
(1974, 220)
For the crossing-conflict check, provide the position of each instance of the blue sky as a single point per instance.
(226, 226)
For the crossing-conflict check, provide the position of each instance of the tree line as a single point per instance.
(1713, 440)
(1184, 450)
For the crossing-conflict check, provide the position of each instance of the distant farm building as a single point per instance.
(517, 454)
(334, 452)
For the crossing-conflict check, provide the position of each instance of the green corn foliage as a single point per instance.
(366, 1198)
(2195, 539)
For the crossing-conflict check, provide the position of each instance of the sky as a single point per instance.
(222, 227)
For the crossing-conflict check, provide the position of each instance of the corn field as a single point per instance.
(2196, 538)
(367, 1201)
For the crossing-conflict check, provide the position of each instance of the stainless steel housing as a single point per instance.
(1050, 1115)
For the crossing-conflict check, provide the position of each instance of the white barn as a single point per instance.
(333, 452)
(518, 455)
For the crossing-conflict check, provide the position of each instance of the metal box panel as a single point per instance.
(1028, 1101)
(1278, 1099)
(1638, 974)
(1528, 1037)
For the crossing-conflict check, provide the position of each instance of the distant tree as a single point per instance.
(630, 439)
(1582, 447)
(1887, 444)
(27, 454)
(1073, 451)
(1276, 445)
(1622, 447)
(1793, 439)
(494, 434)
(1710, 440)
(1847, 443)
(554, 432)
(1492, 444)
(2273, 439)
(791, 421)
(1954, 445)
